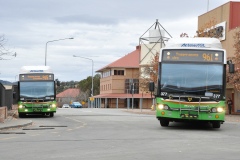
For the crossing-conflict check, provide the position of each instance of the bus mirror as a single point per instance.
(231, 68)
(151, 86)
(58, 83)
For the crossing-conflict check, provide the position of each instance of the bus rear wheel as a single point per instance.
(164, 122)
(51, 114)
(216, 124)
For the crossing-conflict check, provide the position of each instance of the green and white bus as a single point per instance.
(191, 81)
(37, 92)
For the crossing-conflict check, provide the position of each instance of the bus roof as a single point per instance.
(199, 42)
(36, 69)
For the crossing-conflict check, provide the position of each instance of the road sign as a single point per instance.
(91, 98)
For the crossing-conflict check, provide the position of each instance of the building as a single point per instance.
(68, 96)
(119, 84)
(124, 83)
(225, 19)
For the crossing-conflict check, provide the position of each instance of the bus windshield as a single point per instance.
(189, 78)
(36, 89)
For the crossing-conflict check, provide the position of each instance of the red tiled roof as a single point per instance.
(70, 92)
(130, 60)
(123, 95)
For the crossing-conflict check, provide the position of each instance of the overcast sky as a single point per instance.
(103, 30)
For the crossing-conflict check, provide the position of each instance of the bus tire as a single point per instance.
(216, 124)
(164, 122)
(21, 115)
(51, 114)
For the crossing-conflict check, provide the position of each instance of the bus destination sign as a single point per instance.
(207, 56)
(36, 77)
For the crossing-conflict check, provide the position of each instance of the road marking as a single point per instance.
(33, 135)
(83, 124)
(7, 138)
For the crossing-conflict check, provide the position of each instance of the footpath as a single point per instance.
(13, 121)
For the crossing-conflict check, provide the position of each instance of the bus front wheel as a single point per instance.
(164, 122)
(216, 124)
(21, 115)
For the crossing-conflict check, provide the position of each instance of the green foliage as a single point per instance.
(85, 85)
(65, 85)
(96, 84)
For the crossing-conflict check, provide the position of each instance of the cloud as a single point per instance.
(88, 19)
(103, 31)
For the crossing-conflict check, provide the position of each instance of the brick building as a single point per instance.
(227, 18)
(119, 84)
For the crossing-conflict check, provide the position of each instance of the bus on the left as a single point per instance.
(36, 91)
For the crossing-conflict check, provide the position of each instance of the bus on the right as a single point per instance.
(192, 81)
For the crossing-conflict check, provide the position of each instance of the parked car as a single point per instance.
(76, 105)
(66, 106)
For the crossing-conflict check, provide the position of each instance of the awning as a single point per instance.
(123, 95)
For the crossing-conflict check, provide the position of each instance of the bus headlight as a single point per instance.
(215, 110)
(163, 106)
(220, 109)
(160, 106)
(21, 106)
(53, 105)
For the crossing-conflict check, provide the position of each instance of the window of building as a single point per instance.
(132, 86)
(106, 74)
(118, 72)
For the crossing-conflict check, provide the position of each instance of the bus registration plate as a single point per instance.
(37, 110)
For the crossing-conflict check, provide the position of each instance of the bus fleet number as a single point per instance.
(163, 93)
(216, 96)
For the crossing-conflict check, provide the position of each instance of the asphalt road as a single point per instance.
(107, 134)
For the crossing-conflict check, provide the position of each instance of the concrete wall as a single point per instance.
(6, 96)
(3, 114)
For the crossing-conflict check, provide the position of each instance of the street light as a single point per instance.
(92, 73)
(47, 44)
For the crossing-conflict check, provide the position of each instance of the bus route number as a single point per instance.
(45, 77)
(207, 57)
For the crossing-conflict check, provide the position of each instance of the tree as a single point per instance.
(85, 85)
(4, 51)
(149, 73)
(184, 35)
(96, 84)
(234, 79)
(207, 29)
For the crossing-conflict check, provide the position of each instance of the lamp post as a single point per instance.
(92, 74)
(47, 44)
(16, 78)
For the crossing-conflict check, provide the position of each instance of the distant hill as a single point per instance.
(6, 82)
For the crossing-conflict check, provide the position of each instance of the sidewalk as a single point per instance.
(14, 122)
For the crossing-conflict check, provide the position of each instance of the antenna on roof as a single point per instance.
(154, 38)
